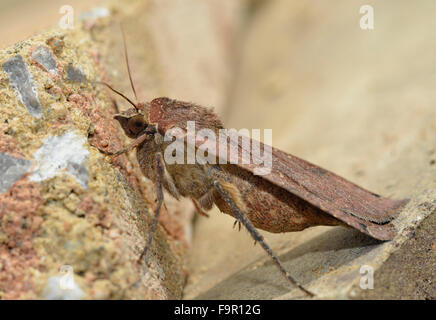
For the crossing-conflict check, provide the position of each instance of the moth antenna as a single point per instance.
(116, 105)
(119, 93)
(127, 61)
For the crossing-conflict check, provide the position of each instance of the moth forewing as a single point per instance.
(344, 200)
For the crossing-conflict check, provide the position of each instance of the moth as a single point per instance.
(294, 195)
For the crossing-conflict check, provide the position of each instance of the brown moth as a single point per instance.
(293, 196)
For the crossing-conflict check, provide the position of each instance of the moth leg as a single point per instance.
(254, 233)
(159, 194)
(134, 144)
(198, 209)
(239, 224)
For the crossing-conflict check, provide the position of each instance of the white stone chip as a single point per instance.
(62, 154)
(55, 290)
(23, 85)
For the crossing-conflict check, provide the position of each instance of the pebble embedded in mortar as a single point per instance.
(64, 152)
(22, 82)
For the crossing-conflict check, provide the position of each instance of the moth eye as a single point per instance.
(136, 125)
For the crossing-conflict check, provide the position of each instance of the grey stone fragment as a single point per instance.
(43, 56)
(11, 170)
(75, 74)
(80, 172)
(22, 82)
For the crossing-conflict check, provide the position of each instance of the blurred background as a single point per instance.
(20, 19)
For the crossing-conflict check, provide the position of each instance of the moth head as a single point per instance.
(133, 120)
(133, 124)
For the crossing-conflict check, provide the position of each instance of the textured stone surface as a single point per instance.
(95, 13)
(357, 103)
(409, 272)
